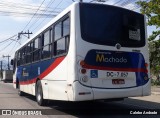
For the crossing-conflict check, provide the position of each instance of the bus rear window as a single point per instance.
(109, 25)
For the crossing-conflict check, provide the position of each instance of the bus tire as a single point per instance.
(39, 94)
(20, 93)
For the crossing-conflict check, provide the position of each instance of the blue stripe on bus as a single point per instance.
(30, 72)
(118, 61)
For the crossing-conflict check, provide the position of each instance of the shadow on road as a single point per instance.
(94, 108)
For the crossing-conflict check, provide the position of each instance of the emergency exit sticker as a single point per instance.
(94, 73)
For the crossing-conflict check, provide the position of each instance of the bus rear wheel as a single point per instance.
(39, 94)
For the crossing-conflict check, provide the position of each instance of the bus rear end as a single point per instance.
(111, 53)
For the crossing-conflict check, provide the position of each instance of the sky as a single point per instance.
(13, 23)
(16, 16)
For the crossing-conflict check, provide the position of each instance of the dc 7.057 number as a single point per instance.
(117, 74)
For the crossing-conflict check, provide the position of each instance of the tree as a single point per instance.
(151, 8)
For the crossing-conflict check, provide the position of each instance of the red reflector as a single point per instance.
(84, 93)
(83, 71)
(146, 64)
(81, 93)
(82, 63)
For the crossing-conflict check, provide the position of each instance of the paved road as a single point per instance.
(9, 99)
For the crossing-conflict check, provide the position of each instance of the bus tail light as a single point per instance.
(146, 65)
(146, 77)
(81, 63)
(83, 71)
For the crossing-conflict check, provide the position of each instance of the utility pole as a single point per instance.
(1, 71)
(8, 60)
(1, 66)
(20, 33)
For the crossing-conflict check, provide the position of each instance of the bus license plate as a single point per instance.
(117, 74)
(118, 81)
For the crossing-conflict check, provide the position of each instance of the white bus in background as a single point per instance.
(87, 52)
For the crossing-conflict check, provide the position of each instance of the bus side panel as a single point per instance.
(29, 69)
(14, 79)
(71, 56)
(57, 82)
(57, 90)
(117, 93)
(147, 88)
(29, 89)
(82, 93)
(25, 88)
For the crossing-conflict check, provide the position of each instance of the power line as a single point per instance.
(7, 9)
(33, 16)
(22, 7)
(19, 14)
(8, 39)
(3, 43)
(122, 3)
(13, 48)
(6, 46)
(48, 5)
(45, 18)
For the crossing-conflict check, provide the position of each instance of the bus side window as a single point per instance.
(28, 54)
(31, 51)
(61, 47)
(66, 32)
(36, 53)
(18, 58)
(66, 27)
(61, 42)
(46, 45)
(58, 31)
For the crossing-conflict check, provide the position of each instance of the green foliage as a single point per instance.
(154, 51)
(151, 8)
(155, 82)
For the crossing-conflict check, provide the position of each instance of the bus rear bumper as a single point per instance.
(83, 93)
(117, 93)
(144, 90)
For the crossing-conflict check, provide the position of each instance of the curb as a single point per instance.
(156, 93)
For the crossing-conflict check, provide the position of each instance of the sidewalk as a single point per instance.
(155, 90)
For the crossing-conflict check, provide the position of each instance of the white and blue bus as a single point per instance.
(87, 52)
